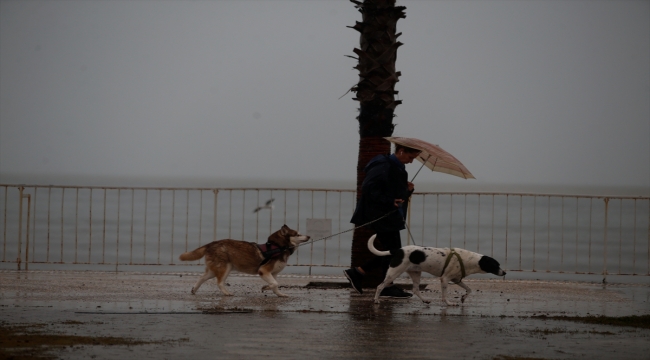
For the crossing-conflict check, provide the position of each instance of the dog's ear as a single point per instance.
(284, 230)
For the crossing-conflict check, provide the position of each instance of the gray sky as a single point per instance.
(553, 93)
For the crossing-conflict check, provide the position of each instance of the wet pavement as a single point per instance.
(323, 318)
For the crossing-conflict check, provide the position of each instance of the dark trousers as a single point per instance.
(389, 240)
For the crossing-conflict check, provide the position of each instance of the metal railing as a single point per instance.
(117, 227)
(540, 232)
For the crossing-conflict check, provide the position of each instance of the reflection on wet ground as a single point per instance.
(500, 318)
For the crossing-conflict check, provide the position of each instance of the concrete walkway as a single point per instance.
(322, 318)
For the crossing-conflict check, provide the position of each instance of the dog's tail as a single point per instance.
(372, 249)
(194, 254)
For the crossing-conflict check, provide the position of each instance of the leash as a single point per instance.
(343, 232)
(360, 226)
(377, 219)
(408, 230)
(268, 257)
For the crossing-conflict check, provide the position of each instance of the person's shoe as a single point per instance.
(355, 278)
(394, 292)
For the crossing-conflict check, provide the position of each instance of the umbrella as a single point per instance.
(434, 157)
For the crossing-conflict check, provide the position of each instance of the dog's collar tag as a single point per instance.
(462, 266)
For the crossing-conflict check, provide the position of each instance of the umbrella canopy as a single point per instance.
(434, 157)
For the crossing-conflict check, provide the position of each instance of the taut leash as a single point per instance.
(343, 232)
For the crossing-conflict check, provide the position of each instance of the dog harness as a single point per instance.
(462, 267)
(270, 251)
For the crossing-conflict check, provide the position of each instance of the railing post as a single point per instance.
(117, 241)
(214, 220)
(21, 196)
(29, 206)
(20, 226)
(605, 242)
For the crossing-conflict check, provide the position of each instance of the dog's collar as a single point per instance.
(462, 266)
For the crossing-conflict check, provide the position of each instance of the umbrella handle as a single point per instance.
(424, 162)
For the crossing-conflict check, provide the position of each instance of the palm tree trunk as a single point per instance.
(376, 95)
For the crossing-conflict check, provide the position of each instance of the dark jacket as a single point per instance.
(385, 181)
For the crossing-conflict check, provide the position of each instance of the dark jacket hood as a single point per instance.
(376, 161)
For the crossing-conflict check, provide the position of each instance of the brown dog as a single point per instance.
(223, 256)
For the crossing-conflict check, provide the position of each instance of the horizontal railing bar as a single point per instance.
(486, 193)
(640, 197)
(167, 188)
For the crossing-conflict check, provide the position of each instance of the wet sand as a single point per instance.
(322, 318)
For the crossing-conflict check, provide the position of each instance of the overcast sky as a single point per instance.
(522, 92)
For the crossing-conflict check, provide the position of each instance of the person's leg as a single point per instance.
(387, 241)
(391, 241)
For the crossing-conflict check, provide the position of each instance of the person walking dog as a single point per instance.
(385, 188)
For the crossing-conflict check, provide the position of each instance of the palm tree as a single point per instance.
(376, 95)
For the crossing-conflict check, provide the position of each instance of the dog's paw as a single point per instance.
(462, 299)
(426, 301)
(265, 287)
(193, 292)
(281, 294)
(376, 301)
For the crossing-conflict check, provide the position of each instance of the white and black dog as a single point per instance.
(448, 264)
